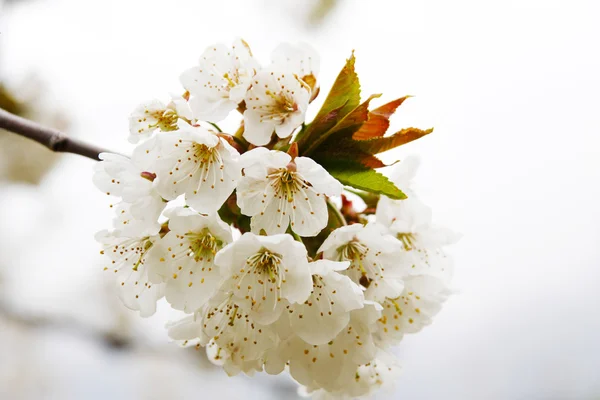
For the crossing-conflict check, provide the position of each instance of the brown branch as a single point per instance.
(53, 139)
(110, 338)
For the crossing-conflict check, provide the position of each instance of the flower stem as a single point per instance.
(332, 207)
(216, 126)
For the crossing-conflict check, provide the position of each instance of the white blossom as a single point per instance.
(220, 81)
(141, 205)
(373, 256)
(151, 116)
(278, 192)
(239, 342)
(236, 361)
(301, 59)
(186, 258)
(195, 162)
(276, 102)
(270, 272)
(421, 300)
(257, 301)
(232, 339)
(410, 221)
(363, 381)
(423, 242)
(322, 365)
(327, 311)
(128, 259)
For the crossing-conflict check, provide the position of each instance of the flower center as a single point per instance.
(266, 262)
(202, 152)
(286, 183)
(356, 252)
(203, 244)
(232, 79)
(166, 120)
(281, 107)
(407, 240)
(136, 249)
(353, 250)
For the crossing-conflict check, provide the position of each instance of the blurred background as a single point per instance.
(514, 165)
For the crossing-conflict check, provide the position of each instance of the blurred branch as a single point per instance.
(114, 339)
(53, 139)
(109, 338)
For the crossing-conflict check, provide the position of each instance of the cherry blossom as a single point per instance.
(329, 305)
(420, 301)
(278, 192)
(276, 102)
(198, 163)
(364, 380)
(220, 81)
(301, 59)
(186, 258)
(154, 115)
(128, 259)
(231, 224)
(373, 256)
(322, 365)
(410, 221)
(141, 205)
(269, 271)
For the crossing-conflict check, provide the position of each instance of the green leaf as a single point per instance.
(345, 92)
(360, 177)
(381, 144)
(346, 150)
(343, 98)
(320, 124)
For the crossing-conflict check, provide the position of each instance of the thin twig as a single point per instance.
(53, 139)
(338, 214)
(216, 126)
(124, 342)
(65, 323)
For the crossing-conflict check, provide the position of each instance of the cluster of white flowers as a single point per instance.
(256, 299)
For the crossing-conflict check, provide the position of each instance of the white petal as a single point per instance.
(142, 122)
(318, 177)
(257, 131)
(186, 329)
(310, 215)
(220, 81)
(421, 300)
(327, 310)
(129, 262)
(302, 59)
(324, 267)
(405, 171)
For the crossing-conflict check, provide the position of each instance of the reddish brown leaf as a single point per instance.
(371, 161)
(354, 118)
(380, 144)
(379, 120)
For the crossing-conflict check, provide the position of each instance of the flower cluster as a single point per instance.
(257, 235)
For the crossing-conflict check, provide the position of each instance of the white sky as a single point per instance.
(511, 88)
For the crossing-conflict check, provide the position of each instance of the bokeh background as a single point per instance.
(514, 165)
